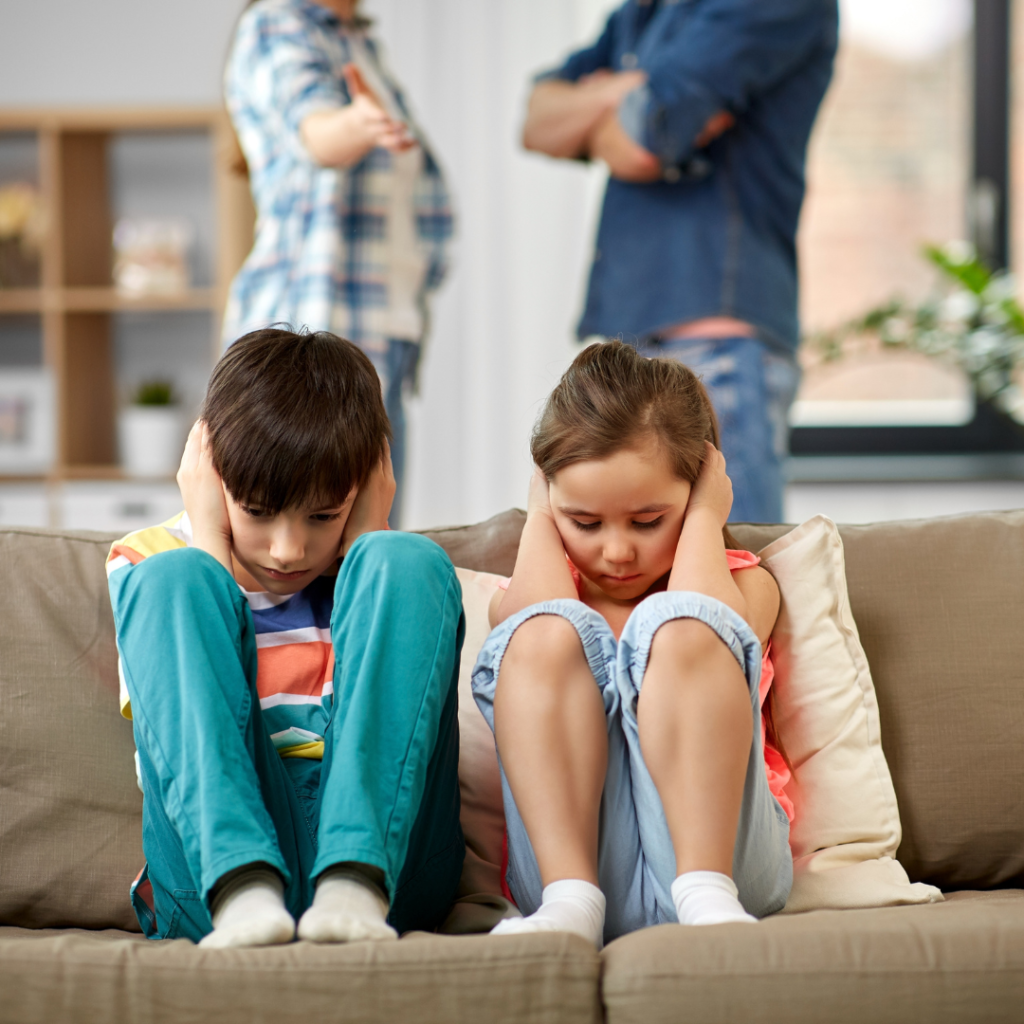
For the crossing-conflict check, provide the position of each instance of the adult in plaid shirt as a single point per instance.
(353, 215)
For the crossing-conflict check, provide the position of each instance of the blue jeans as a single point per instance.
(399, 377)
(218, 796)
(751, 388)
(636, 859)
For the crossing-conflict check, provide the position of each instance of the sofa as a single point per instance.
(938, 604)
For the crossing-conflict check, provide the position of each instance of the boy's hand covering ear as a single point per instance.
(713, 488)
(372, 506)
(202, 491)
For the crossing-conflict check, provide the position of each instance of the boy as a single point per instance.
(295, 720)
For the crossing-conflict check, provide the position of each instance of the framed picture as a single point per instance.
(27, 421)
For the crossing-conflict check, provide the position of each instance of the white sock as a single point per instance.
(569, 905)
(707, 897)
(347, 907)
(250, 911)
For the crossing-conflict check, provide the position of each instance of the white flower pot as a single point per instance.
(152, 438)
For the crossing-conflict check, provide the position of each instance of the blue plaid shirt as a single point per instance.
(321, 232)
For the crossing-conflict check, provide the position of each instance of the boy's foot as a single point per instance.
(250, 911)
(708, 897)
(569, 905)
(347, 907)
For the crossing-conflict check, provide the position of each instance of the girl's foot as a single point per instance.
(570, 905)
(250, 911)
(708, 897)
(347, 907)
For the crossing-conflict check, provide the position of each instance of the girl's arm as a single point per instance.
(542, 571)
(700, 564)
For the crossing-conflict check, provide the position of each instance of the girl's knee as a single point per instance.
(549, 640)
(689, 644)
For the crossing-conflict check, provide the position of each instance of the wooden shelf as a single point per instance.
(120, 119)
(102, 300)
(109, 299)
(21, 300)
(63, 474)
(75, 300)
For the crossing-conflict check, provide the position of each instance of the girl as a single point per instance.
(649, 790)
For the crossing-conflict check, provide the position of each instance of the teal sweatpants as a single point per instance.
(217, 795)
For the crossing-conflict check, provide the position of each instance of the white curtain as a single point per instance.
(504, 323)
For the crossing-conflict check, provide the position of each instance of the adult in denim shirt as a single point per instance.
(701, 110)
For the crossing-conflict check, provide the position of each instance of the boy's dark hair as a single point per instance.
(295, 420)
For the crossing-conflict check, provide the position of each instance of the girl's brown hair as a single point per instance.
(611, 398)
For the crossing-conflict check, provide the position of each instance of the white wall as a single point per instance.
(504, 322)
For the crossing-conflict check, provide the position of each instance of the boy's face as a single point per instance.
(283, 553)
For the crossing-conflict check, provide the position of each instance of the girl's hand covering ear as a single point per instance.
(713, 489)
(372, 505)
(202, 492)
(539, 501)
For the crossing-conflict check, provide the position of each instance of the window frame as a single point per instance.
(989, 431)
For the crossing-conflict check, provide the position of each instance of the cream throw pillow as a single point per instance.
(847, 826)
(483, 818)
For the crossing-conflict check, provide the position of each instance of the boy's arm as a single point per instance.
(542, 571)
(202, 492)
(700, 564)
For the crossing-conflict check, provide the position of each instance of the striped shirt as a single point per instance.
(354, 251)
(294, 653)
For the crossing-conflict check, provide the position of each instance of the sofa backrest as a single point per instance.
(937, 603)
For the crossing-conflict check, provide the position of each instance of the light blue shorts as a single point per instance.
(636, 860)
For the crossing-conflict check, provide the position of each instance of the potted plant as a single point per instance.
(151, 431)
(975, 323)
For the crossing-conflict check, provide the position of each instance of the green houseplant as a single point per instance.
(973, 322)
(151, 431)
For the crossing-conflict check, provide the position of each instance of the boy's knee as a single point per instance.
(180, 570)
(405, 552)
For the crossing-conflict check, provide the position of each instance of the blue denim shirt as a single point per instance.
(717, 235)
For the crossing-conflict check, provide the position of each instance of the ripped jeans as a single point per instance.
(751, 388)
(636, 858)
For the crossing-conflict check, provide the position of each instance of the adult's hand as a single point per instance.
(561, 115)
(342, 137)
(627, 160)
(202, 492)
(372, 504)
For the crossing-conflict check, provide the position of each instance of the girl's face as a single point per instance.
(620, 518)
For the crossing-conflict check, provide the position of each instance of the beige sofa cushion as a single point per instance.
(944, 963)
(70, 811)
(847, 826)
(939, 605)
(112, 978)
